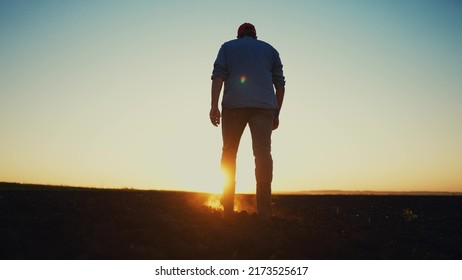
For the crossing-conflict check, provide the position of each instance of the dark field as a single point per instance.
(73, 223)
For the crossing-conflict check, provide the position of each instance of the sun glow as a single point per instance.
(240, 203)
(214, 202)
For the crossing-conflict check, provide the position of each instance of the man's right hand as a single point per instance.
(215, 116)
(275, 123)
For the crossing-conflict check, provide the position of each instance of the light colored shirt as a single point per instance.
(250, 69)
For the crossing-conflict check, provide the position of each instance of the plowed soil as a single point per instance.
(38, 222)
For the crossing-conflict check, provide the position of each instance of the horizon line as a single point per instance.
(302, 192)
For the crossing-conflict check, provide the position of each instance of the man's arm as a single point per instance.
(217, 84)
(280, 91)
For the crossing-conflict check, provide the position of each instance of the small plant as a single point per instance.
(408, 215)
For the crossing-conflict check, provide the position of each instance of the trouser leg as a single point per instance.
(264, 200)
(234, 122)
(261, 125)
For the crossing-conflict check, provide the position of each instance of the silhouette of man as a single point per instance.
(254, 87)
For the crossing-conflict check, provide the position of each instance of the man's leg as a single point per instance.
(234, 122)
(261, 126)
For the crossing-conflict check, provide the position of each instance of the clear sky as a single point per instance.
(117, 93)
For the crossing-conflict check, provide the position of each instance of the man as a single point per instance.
(254, 87)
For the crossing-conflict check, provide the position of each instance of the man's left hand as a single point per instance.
(215, 116)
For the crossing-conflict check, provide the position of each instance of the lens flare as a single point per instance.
(243, 79)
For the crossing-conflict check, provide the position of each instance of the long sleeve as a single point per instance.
(277, 72)
(220, 68)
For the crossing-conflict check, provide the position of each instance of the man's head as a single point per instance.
(246, 29)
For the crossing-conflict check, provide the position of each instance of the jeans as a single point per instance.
(260, 122)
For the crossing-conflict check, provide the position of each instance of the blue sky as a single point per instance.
(117, 93)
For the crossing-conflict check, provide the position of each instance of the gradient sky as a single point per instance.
(117, 93)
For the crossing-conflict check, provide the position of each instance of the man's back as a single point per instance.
(249, 68)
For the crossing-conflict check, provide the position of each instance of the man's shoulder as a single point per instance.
(264, 43)
(237, 42)
(231, 42)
